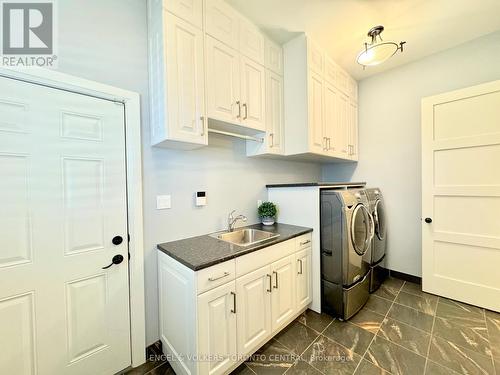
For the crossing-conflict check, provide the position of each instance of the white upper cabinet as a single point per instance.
(274, 57)
(353, 130)
(251, 41)
(223, 81)
(188, 10)
(318, 119)
(316, 136)
(315, 57)
(222, 22)
(176, 81)
(274, 112)
(253, 94)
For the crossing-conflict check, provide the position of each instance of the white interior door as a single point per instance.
(461, 195)
(63, 200)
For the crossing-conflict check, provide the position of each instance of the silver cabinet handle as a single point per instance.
(276, 279)
(330, 144)
(245, 105)
(219, 277)
(325, 142)
(271, 136)
(233, 310)
(270, 283)
(238, 103)
(202, 118)
(300, 269)
(305, 242)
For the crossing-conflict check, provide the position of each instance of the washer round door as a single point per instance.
(379, 219)
(360, 229)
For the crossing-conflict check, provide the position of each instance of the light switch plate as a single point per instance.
(163, 202)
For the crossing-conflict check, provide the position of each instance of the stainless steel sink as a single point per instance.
(245, 237)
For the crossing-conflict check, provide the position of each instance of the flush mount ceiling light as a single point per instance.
(377, 51)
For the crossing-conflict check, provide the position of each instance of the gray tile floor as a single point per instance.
(401, 330)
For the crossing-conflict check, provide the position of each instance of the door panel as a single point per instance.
(65, 200)
(223, 82)
(283, 295)
(222, 22)
(317, 140)
(253, 303)
(251, 42)
(274, 112)
(460, 195)
(303, 272)
(253, 94)
(331, 123)
(353, 130)
(189, 10)
(217, 329)
(185, 74)
(343, 125)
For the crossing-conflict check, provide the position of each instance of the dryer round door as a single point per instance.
(360, 229)
(379, 219)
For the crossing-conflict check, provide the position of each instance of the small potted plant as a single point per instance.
(267, 212)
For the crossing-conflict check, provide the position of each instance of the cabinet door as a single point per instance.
(342, 129)
(330, 127)
(353, 130)
(303, 278)
(274, 112)
(315, 57)
(253, 306)
(253, 90)
(185, 75)
(283, 295)
(223, 81)
(251, 41)
(343, 80)
(330, 71)
(274, 57)
(217, 329)
(222, 22)
(316, 137)
(188, 10)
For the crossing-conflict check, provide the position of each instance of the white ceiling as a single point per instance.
(340, 26)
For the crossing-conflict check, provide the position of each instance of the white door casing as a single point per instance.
(65, 154)
(461, 195)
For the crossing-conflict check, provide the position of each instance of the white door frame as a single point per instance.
(131, 101)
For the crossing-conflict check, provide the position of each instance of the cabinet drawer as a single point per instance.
(211, 277)
(263, 257)
(303, 241)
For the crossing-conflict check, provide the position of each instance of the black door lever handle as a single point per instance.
(117, 259)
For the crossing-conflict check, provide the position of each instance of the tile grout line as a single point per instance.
(430, 339)
(376, 333)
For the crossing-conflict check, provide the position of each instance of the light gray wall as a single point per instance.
(106, 41)
(389, 135)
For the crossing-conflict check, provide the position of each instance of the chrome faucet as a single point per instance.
(232, 220)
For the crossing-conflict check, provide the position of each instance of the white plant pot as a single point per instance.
(268, 220)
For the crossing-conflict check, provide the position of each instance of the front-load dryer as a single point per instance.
(379, 243)
(346, 233)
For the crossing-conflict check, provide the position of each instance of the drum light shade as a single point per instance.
(377, 51)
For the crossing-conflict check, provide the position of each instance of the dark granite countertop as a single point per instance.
(320, 184)
(205, 251)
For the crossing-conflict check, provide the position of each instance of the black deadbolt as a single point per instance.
(117, 259)
(428, 220)
(117, 240)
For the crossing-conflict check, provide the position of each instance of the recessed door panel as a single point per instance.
(17, 341)
(13, 116)
(15, 220)
(83, 201)
(81, 126)
(86, 309)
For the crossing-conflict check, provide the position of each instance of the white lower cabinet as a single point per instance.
(283, 295)
(304, 280)
(207, 327)
(253, 306)
(217, 329)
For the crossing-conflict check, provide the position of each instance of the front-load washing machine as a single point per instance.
(346, 231)
(379, 243)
